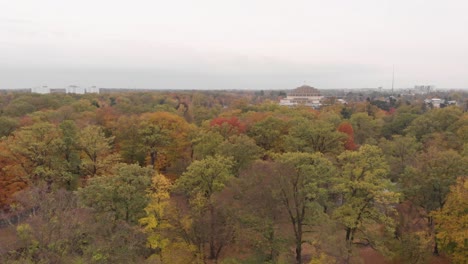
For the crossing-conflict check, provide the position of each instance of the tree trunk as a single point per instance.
(273, 251)
(298, 254)
(348, 234)
(127, 216)
(436, 247)
(299, 243)
(153, 155)
(432, 229)
(212, 227)
(349, 243)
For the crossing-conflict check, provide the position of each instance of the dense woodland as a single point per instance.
(231, 177)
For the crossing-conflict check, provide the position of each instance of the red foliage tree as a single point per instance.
(228, 126)
(390, 111)
(347, 128)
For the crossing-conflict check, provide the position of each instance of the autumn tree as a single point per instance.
(61, 231)
(347, 128)
(12, 177)
(155, 222)
(56, 233)
(452, 222)
(164, 137)
(227, 126)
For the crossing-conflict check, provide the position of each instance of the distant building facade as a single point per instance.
(438, 103)
(58, 91)
(304, 95)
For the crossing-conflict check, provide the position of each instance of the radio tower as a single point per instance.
(393, 77)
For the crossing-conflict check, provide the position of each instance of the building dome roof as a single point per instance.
(304, 90)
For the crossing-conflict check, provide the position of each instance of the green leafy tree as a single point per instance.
(436, 120)
(365, 196)
(71, 150)
(268, 133)
(204, 107)
(97, 157)
(367, 129)
(7, 125)
(259, 215)
(401, 152)
(153, 139)
(315, 136)
(396, 124)
(300, 183)
(122, 194)
(242, 149)
(130, 147)
(19, 107)
(428, 182)
(39, 150)
(202, 180)
(206, 144)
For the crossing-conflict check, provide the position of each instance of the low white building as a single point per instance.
(434, 101)
(304, 95)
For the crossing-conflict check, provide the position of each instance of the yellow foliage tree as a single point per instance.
(155, 222)
(157, 225)
(452, 222)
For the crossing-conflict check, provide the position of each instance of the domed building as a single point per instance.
(304, 95)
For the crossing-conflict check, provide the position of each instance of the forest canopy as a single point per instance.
(231, 177)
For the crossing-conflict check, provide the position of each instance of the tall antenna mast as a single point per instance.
(393, 77)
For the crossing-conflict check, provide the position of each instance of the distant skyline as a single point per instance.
(212, 44)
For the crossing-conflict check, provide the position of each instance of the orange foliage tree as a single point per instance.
(164, 137)
(10, 177)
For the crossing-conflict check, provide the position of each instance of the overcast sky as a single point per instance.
(240, 44)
